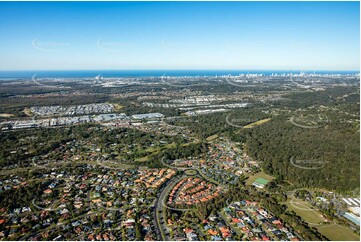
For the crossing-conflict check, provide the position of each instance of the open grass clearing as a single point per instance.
(117, 107)
(259, 122)
(142, 159)
(336, 232)
(6, 115)
(28, 112)
(212, 137)
(305, 211)
(190, 172)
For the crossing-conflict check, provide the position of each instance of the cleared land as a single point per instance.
(304, 210)
(28, 112)
(337, 232)
(259, 122)
(142, 159)
(333, 232)
(117, 107)
(261, 174)
(6, 115)
(213, 137)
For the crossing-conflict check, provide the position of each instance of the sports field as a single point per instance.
(310, 215)
(262, 175)
(333, 232)
(337, 232)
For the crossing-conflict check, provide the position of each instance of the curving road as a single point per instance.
(159, 214)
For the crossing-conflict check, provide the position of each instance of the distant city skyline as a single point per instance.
(179, 35)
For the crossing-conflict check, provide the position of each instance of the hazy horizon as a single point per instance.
(158, 73)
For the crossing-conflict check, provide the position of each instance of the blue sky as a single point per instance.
(179, 35)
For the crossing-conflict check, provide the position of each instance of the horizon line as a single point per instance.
(183, 69)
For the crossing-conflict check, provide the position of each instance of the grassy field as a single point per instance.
(142, 159)
(333, 232)
(259, 122)
(152, 149)
(28, 112)
(190, 172)
(6, 115)
(263, 175)
(337, 232)
(170, 146)
(117, 107)
(304, 210)
(213, 137)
